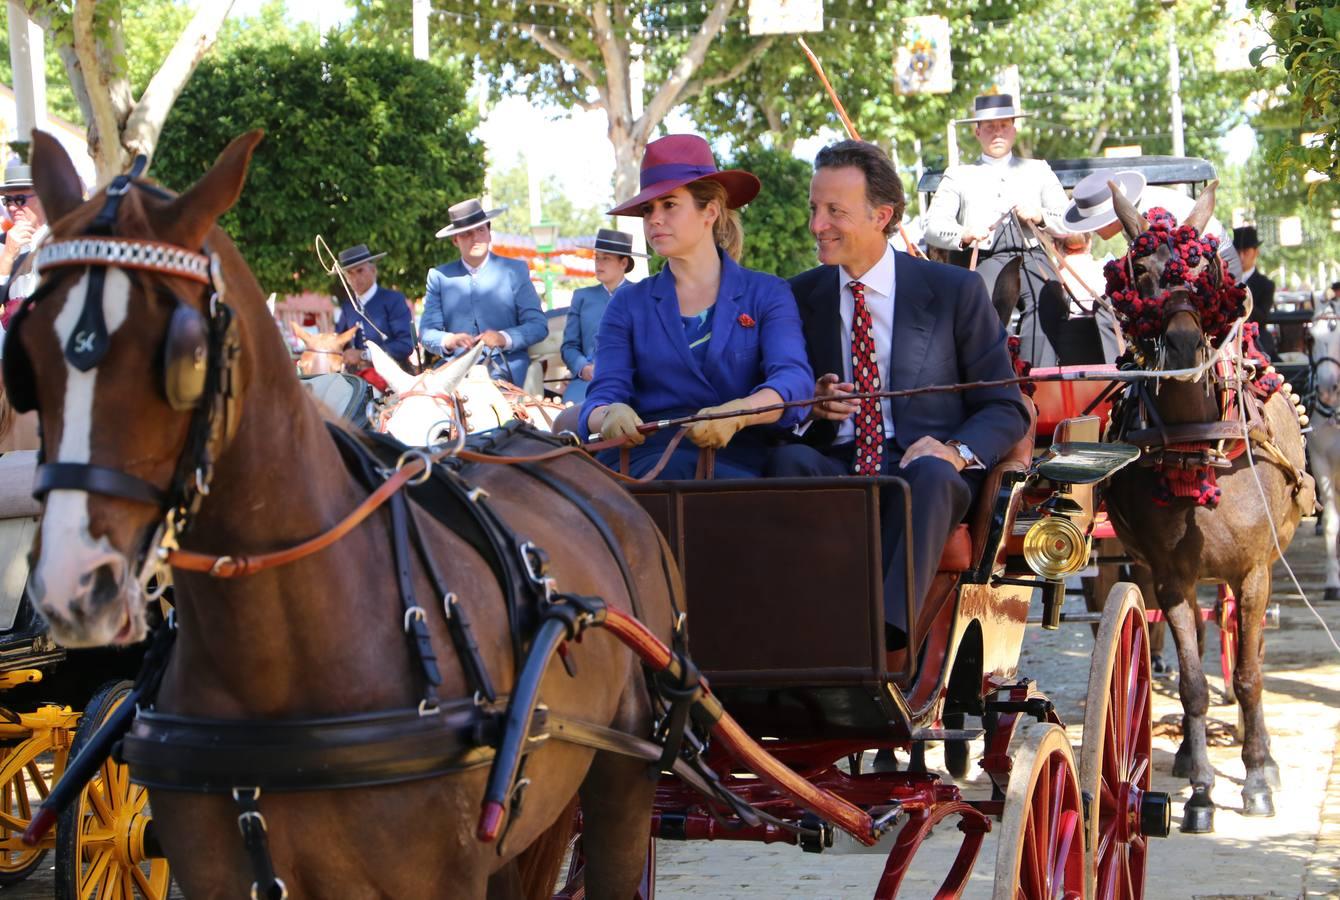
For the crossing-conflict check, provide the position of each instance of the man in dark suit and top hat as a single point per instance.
(878, 320)
(481, 297)
(614, 260)
(380, 314)
(1248, 245)
(986, 202)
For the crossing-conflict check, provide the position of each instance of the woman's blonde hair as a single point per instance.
(727, 231)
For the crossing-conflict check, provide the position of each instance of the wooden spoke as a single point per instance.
(21, 772)
(1041, 850)
(1115, 762)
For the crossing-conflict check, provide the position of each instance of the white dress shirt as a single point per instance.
(879, 299)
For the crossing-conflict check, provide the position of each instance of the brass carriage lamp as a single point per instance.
(546, 244)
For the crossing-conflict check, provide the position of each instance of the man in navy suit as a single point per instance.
(482, 297)
(381, 314)
(614, 260)
(918, 323)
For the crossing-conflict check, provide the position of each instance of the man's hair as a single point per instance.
(883, 187)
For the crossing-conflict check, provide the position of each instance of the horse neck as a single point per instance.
(280, 481)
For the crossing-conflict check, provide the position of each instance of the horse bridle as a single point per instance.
(199, 365)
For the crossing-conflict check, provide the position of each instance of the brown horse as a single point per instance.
(325, 635)
(1184, 541)
(323, 353)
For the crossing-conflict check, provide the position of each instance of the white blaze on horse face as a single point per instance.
(69, 553)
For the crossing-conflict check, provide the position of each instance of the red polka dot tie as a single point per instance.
(869, 418)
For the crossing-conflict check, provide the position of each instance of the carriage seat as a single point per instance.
(18, 525)
(344, 395)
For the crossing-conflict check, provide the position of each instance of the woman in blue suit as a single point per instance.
(704, 335)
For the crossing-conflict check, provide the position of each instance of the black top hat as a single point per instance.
(618, 242)
(356, 256)
(466, 215)
(1244, 238)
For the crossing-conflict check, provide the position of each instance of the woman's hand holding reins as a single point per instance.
(621, 421)
(716, 433)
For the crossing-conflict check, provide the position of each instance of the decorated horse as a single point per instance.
(1221, 484)
(1323, 446)
(326, 701)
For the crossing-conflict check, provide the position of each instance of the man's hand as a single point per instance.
(929, 446)
(832, 410)
(458, 341)
(1028, 213)
(716, 433)
(973, 234)
(353, 357)
(493, 339)
(588, 372)
(17, 238)
(621, 421)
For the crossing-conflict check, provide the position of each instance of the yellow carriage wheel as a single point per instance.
(100, 839)
(26, 776)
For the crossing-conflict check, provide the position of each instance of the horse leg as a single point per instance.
(1322, 469)
(1262, 772)
(616, 825)
(1158, 631)
(1193, 758)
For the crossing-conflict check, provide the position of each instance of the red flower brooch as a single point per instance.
(745, 320)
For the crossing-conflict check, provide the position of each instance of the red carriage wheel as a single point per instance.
(1116, 761)
(1041, 850)
(1226, 613)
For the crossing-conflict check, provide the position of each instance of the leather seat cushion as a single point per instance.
(957, 555)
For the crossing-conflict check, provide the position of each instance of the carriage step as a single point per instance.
(947, 734)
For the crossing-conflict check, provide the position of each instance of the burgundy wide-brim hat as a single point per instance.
(680, 159)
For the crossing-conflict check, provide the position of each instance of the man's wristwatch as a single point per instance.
(964, 453)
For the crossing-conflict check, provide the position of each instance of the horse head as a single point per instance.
(1324, 340)
(323, 353)
(129, 354)
(1171, 293)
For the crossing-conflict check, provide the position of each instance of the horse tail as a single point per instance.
(539, 863)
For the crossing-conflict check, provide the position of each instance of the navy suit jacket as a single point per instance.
(389, 312)
(643, 358)
(582, 325)
(499, 298)
(944, 332)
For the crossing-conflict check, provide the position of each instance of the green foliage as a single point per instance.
(776, 224)
(362, 146)
(511, 188)
(1305, 41)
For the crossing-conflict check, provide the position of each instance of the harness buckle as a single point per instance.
(414, 612)
(449, 604)
(238, 795)
(409, 456)
(119, 187)
(279, 882)
(536, 562)
(219, 564)
(203, 476)
(426, 710)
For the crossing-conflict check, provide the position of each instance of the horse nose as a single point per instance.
(105, 586)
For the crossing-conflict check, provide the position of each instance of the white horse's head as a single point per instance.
(1325, 352)
(426, 407)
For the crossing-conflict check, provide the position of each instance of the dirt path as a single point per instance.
(1294, 854)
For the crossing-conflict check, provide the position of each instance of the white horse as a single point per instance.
(1323, 446)
(425, 408)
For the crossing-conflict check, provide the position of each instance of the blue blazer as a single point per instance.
(500, 298)
(643, 358)
(579, 335)
(389, 312)
(945, 331)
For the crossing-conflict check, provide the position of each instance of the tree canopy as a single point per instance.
(1305, 41)
(510, 187)
(776, 224)
(362, 146)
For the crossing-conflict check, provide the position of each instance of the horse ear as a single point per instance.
(54, 177)
(345, 337)
(214, 194)
(1132, 222)
(302, 335)
(1200, 214)
(397, 378)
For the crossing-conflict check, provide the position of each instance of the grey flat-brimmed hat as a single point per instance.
(618, 242)
(989, 107)
(17, 175)
(1091, 202)
(466, 215)
(357, 255)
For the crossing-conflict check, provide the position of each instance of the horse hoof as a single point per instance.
(1198, 815)
(1257, 803)
(885, 761)
(1160, 667)
(1331, 595)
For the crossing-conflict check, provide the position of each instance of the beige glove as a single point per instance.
(716, 433)
(621, 422)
